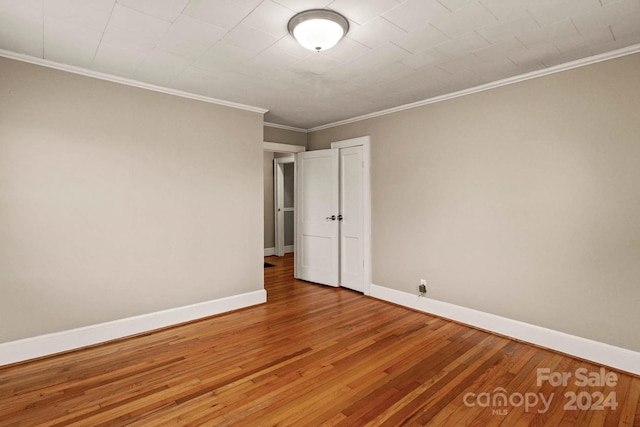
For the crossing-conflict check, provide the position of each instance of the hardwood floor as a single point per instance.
(311, 356)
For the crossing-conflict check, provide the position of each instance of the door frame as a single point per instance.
(365, 142)
(278, 199)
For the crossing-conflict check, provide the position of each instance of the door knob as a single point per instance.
(331, 218)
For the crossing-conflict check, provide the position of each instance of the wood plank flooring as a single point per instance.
(311, 356)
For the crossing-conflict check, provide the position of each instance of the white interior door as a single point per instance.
(351, 219)
(284, 189)
(317, 204)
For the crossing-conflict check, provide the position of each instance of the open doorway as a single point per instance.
(344, 213)
(279, 201)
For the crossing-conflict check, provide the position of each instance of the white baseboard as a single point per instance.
(45, 345)
(272, 251)
(597, 352)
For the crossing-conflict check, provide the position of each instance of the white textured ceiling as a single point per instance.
(395, 53)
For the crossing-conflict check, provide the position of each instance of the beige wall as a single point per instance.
(521, 201)
(285, 136)
(117, 201)
(282, 136)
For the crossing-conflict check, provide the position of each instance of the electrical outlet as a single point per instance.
(423, 286)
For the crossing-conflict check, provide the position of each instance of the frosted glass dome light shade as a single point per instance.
(318, 34)
(318, 29)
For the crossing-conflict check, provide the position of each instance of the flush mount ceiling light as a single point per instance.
(318, 29)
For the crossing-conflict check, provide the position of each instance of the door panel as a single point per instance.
(351, 226)
(317, 201)
(278, 214)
